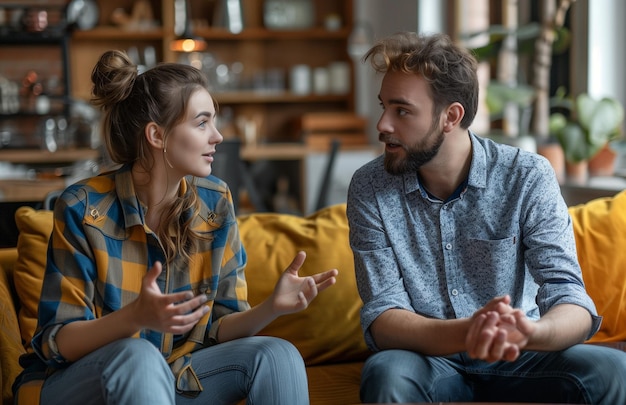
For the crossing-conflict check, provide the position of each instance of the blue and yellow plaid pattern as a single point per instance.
(101, 248)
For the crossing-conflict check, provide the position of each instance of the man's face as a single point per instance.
(412, 137)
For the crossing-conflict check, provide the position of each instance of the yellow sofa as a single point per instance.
(328, 333)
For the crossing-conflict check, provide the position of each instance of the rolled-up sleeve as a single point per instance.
(378, 276)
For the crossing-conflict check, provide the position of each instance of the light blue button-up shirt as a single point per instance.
(507, 232)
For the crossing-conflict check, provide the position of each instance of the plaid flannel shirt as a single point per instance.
(101, 248)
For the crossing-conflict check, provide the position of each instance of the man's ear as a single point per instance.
(154, 135)
(453, 116)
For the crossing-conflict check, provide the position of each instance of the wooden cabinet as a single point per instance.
(255, 100)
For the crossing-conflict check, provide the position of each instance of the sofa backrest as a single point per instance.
(329, 329)
(600, 231)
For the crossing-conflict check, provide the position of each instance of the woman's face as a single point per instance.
(191, 144)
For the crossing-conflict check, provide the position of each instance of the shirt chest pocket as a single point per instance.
(482, 255)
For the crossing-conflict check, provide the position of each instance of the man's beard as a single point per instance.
(416, 155)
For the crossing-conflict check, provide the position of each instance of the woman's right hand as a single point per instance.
(175, 313)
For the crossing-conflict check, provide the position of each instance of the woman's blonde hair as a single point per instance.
(129, 101)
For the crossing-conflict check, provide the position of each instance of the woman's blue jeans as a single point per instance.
(265, 370)
(582, 374)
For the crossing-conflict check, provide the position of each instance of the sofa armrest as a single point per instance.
(10, 339)
(8, 257)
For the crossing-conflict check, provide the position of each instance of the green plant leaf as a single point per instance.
(585, 109)
(557, 123)
(601, 119)
(574, 142)
(499, 94)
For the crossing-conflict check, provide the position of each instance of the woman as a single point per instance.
(152, 251)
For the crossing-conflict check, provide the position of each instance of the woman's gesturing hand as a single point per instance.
(170, 313)
(293, 293)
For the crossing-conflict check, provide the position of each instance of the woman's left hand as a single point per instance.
(294, 293)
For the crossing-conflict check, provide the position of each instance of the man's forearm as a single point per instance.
(401, 329)
(561, 327)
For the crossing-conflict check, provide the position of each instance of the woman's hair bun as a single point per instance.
(113, 78)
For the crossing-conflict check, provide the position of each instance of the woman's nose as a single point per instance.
(216, 137)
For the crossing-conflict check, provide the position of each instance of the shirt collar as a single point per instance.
(132, 209)
(478, 167)
(477, 173)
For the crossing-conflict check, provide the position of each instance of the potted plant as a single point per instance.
(584, 126)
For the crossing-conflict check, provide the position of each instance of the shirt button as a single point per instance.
(448, 246)
(455, 292)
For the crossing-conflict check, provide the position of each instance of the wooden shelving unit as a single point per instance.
(30, 156)
(256, 48)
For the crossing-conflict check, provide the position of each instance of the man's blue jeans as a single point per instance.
(582, 374)
(265, 370)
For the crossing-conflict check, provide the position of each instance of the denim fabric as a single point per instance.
(265, 370)
(127, 371)
(582, 374)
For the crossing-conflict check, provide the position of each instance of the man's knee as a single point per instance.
(387, 378)
(601, 371)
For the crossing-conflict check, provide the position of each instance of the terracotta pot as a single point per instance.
(555, 155)
(577, 172)
(603, 163)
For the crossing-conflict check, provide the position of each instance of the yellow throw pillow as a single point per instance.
(329, 329)
(600, 231)
(35, 227)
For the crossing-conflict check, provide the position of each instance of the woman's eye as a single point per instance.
(202, 124)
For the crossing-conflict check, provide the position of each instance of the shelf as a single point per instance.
(274, 151)
(32, 156)
(108, 33)
(263, 34)
(31, 38)
(28, 190)
(291, 150)
(255, 97)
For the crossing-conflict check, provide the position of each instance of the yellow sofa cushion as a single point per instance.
(35, 227)
(600, 231)
(329, 329)
(11, 347)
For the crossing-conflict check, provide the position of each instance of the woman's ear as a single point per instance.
(453, 116)
(154, 135)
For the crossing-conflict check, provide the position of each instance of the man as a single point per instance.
(464, 252)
